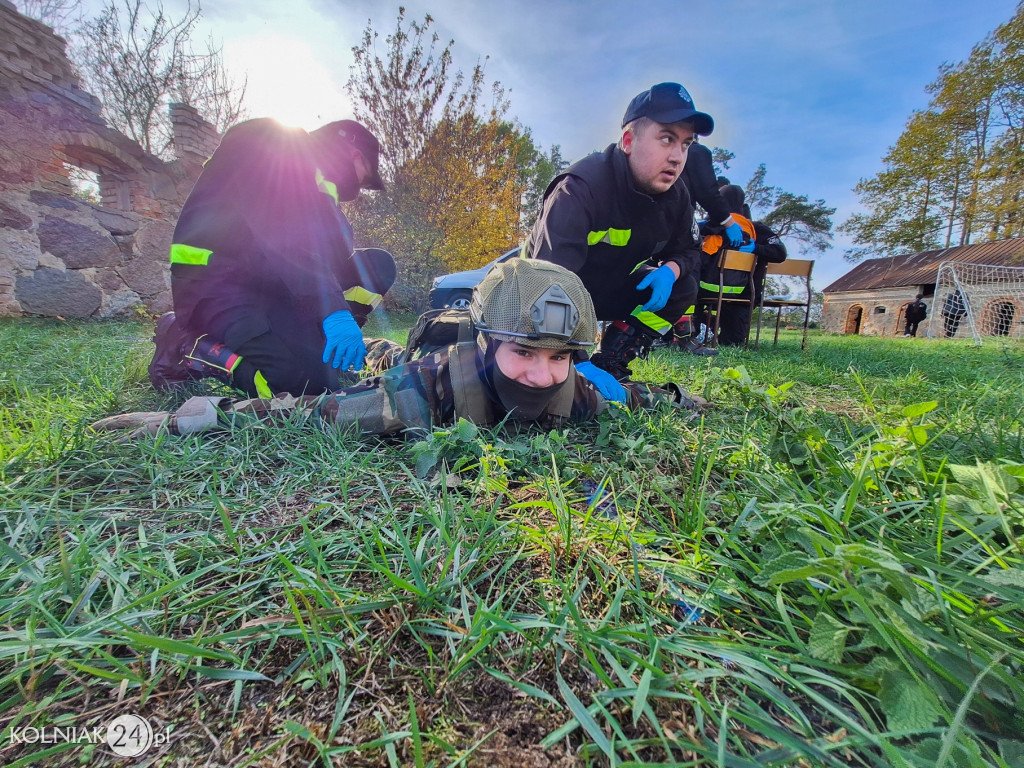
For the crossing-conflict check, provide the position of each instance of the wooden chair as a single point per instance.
(741, 262)
(788, 268)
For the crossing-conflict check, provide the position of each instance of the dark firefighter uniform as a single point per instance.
(596, 223)
(262, 254)
(734, 324)
(702, 183)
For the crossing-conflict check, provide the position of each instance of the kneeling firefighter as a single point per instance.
(512, 359)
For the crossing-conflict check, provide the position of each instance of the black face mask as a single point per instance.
(524, 403)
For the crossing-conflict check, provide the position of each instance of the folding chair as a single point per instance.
(741, 262)
(789, 268)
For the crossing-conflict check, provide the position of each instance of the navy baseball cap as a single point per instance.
(668, 103)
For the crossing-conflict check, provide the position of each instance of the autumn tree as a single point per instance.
(720, 159)
(139, 61)
(456, 167)
(536, 168)
(954, 174)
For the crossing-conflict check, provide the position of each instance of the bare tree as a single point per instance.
(139, 63)
(59, 14)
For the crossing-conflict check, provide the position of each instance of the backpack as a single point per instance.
(438, 329)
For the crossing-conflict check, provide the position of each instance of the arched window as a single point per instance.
(997, 317)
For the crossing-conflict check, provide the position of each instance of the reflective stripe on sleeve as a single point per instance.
(329, 188)
(360, 295)
(713, 287)
(262, 388)
(189, 254)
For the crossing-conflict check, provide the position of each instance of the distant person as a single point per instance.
(269, 295)
(760, 240)
(916, 311)
(704, 187)
(953, 310)
(619, 220)
(530, 320)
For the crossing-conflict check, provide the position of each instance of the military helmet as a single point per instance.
(534, 303)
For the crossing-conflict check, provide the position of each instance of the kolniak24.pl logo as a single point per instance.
(126, 735)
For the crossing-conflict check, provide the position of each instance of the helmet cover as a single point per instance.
(536, 304)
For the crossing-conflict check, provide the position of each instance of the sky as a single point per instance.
(817, 90)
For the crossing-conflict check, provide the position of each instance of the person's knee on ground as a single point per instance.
(181, 357)
(167, 369)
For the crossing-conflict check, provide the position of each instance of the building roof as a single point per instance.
(922, 268)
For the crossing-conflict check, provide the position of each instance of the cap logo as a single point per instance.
(684, 95)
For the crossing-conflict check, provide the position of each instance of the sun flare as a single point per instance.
(287, 82)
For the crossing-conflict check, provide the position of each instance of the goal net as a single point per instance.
(978, 300)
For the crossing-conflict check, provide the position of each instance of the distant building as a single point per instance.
(871, 298)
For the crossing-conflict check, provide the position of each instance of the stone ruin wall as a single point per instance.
(62, 256)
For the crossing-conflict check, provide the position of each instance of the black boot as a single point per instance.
(692, 346)
(621, 344)
(167, 370)
(684, 339)
(211, 359)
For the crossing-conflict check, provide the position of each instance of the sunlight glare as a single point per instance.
(287, 82)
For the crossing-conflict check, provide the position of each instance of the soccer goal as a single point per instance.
(978, 300)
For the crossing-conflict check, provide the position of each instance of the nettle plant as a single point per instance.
(897, 571)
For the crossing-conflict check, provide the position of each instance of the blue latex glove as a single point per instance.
(747, 247)
(344, 341)
(603, 381)
(660, 282)
(734, 234)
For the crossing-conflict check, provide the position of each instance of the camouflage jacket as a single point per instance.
(417, 394)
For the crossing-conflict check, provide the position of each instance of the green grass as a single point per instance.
(825, 570)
